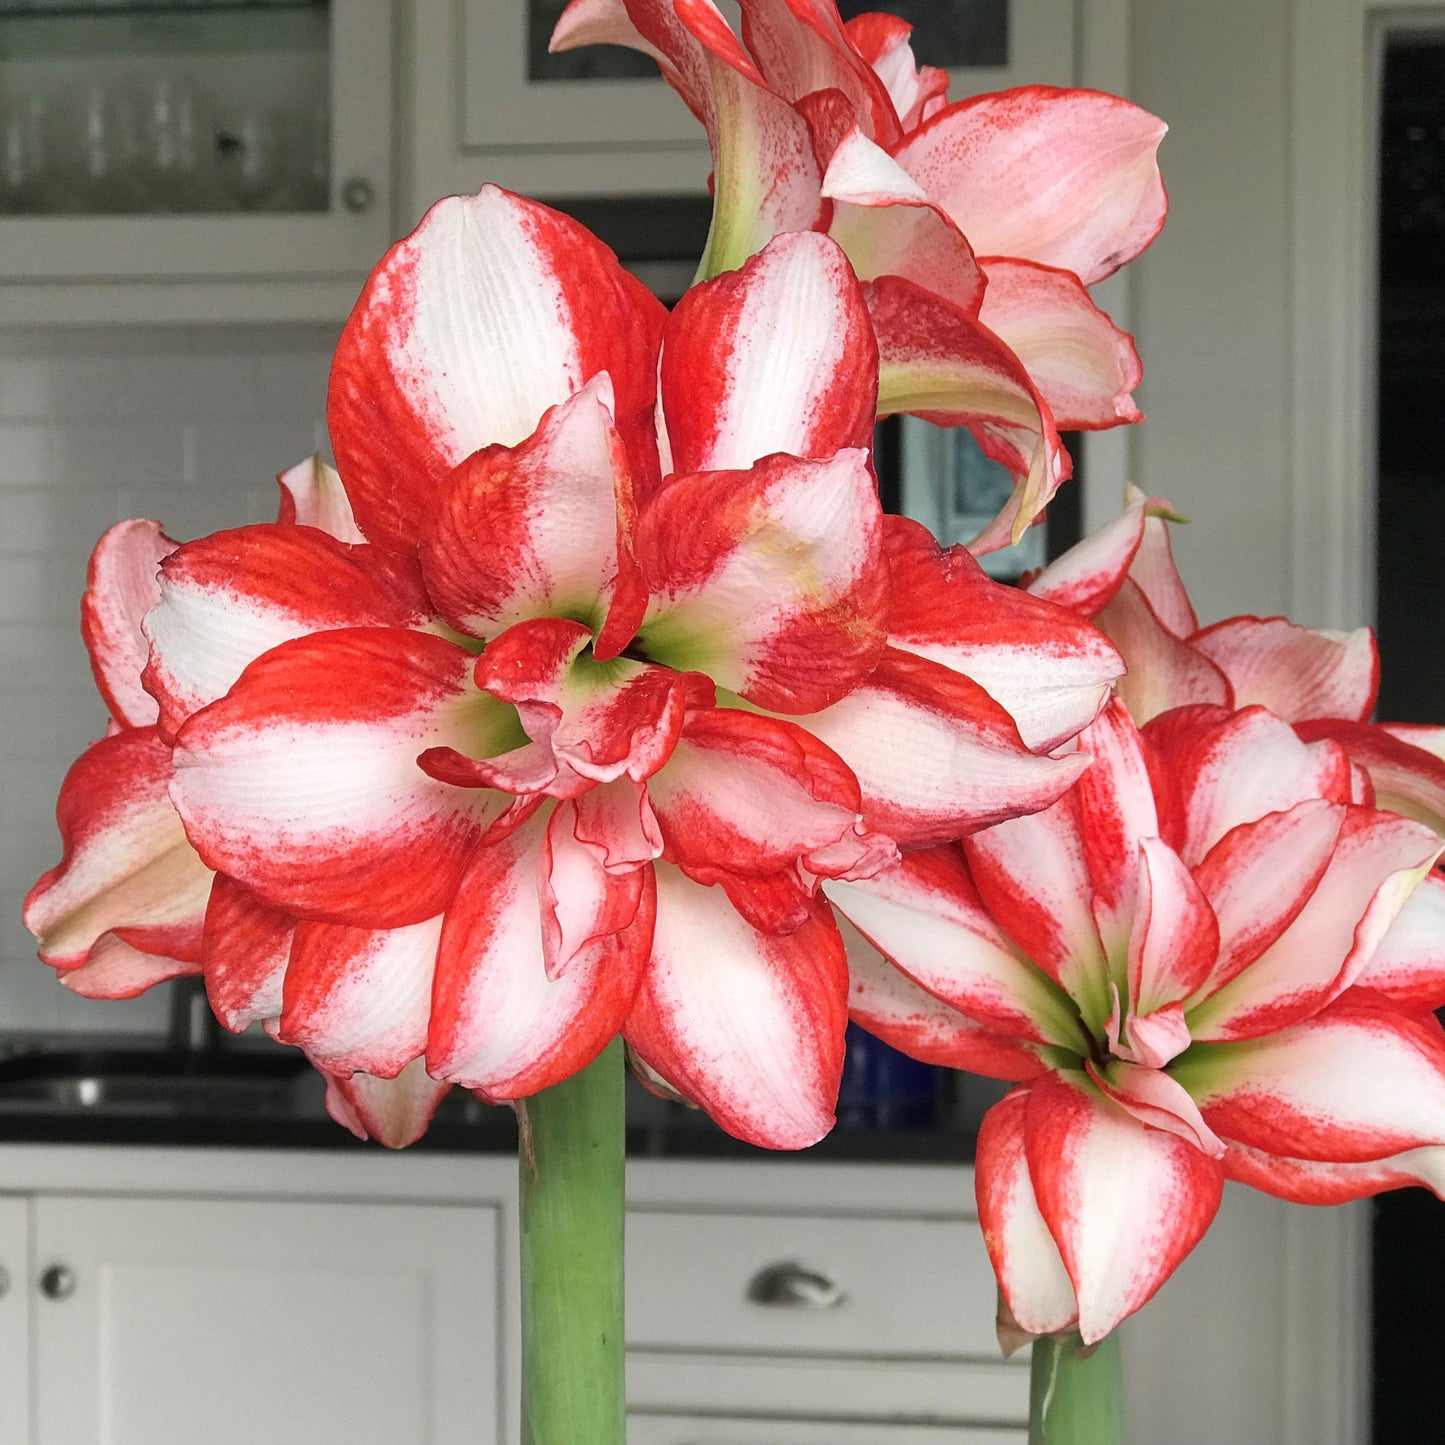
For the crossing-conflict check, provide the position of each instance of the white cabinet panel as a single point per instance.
(186, 1320)
(15, 1272)
(709, 1430)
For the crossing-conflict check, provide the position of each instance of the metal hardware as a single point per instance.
(790, 1285)
(358, 194)
(58, 1281)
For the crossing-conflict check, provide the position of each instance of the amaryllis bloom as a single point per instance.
(604, 659)
(1325, 683)
(1209, 960)
(979, 226)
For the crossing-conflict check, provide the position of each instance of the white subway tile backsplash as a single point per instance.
(188, 425)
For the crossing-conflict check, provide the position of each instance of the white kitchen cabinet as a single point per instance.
(708, 1430)
(170, 1320)
(14, 1319)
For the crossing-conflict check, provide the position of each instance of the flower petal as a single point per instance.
(1064, 177)
(126, 866)
(1083, 365)
(1408, 777)
(1050, 670)
(1124, 1203)
(499, 1024)
(934, 755)
(302, 781)
(395, 1112)
(1175, 940)
(772, 582)
(1408, 964)
(1088, 575)
(229, 597)
(750, 1026)
(882, 40)
(1309, 1181)
(113, 969)
(494, 309)
(245, 949)
(1153, 1098)
(1030, 1270)
(1296, 672)
(312, 495)
(122, 584)
(777, 357)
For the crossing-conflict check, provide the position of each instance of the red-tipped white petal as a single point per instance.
(229, 597)
(1033, 877)
(939, 363)
(245, 950)
(1065, 177)
(934, 755)
(312, 495)
(771, 581)
(756, 794)
(777, 357)
(1156, 574)
(1310, 1181)
(1359, 1082)
(747, 1025)
(394, 1112)
(1124, 1202)
(926, 916)
(600, 22)
(1163, 671)
(126, 865)
(1408, 964)
(115, 970)
(359, 998)
(1404, 763)
(1083, 365)
(1036, 1286)
(886, 1002)
(1088, 575)
(1377, 864)
(499, 1024)
(122, 584)
(1175, 940)
(1050, 670)
(1248, 766)
(882, 40)
(542, 529)
(302, 781)
(889, 227)
(1260, 875)
(1296, 672)
(494, 309)
(1153, 1098)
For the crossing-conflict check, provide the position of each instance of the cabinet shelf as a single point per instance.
(133, 9)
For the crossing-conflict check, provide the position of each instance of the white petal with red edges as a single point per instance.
(395, 1112)
(115, 970)
(1408, 963)
(312, 495)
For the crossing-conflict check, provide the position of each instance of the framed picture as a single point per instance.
(615, 97)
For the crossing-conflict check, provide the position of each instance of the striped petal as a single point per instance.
(882, 40)
(126, 866)
(302, 781)
(1310, 1181)
(1067, 178)
(493, 310)
(113, 969)
(1407, 775)
(1408, 963)
(394, 1112)
(1175, 939)
(229, 597)
(772, 582)
(749, 1026)
(312, 495)
(245, 949)
(935, 756)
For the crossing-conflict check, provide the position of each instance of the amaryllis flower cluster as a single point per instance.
(544, 718)
(979, 226)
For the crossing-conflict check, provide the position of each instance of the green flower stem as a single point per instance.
(1076, 1399)
(572, 1259)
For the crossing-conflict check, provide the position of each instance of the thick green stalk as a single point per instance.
(1076, 1399)
(572, 1259)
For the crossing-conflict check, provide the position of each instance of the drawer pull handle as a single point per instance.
(790, 1285)
(58, 1282)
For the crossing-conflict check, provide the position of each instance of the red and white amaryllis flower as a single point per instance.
(628, 661)
(1325, 683)
(979, 226)
(1209, 960)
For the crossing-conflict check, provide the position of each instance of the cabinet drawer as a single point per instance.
(809, 1284)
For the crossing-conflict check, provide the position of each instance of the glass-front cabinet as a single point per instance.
(168, 141)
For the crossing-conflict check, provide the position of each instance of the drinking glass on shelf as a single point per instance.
(102, 151)
(24, 155)
(175, 160)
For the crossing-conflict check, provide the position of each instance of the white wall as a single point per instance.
(187, 425)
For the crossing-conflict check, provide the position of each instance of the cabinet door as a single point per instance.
(177, 1321)
(14, 1319)
(710, 1430)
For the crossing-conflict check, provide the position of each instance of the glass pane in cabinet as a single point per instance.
(164, 106)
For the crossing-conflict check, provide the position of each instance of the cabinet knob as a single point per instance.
(4, 1281)
(357, 194)
(790, 1285)
(58, 1281)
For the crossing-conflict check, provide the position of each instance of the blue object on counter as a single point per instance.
(883, 1088)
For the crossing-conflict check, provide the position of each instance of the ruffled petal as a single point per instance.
(1407, 777)
(1064, 177)
(935, 756)
(750, 1026)
(1175, 940)
(1408, 963)
(1049, 669)
(302, 781)
(121, 585)
(772, 582)
(126, 866)
(493, 310)
(113, 969)
(245, 949)
(882, 40)
(394, 1112)
(1310, 1181)
(312, 495)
